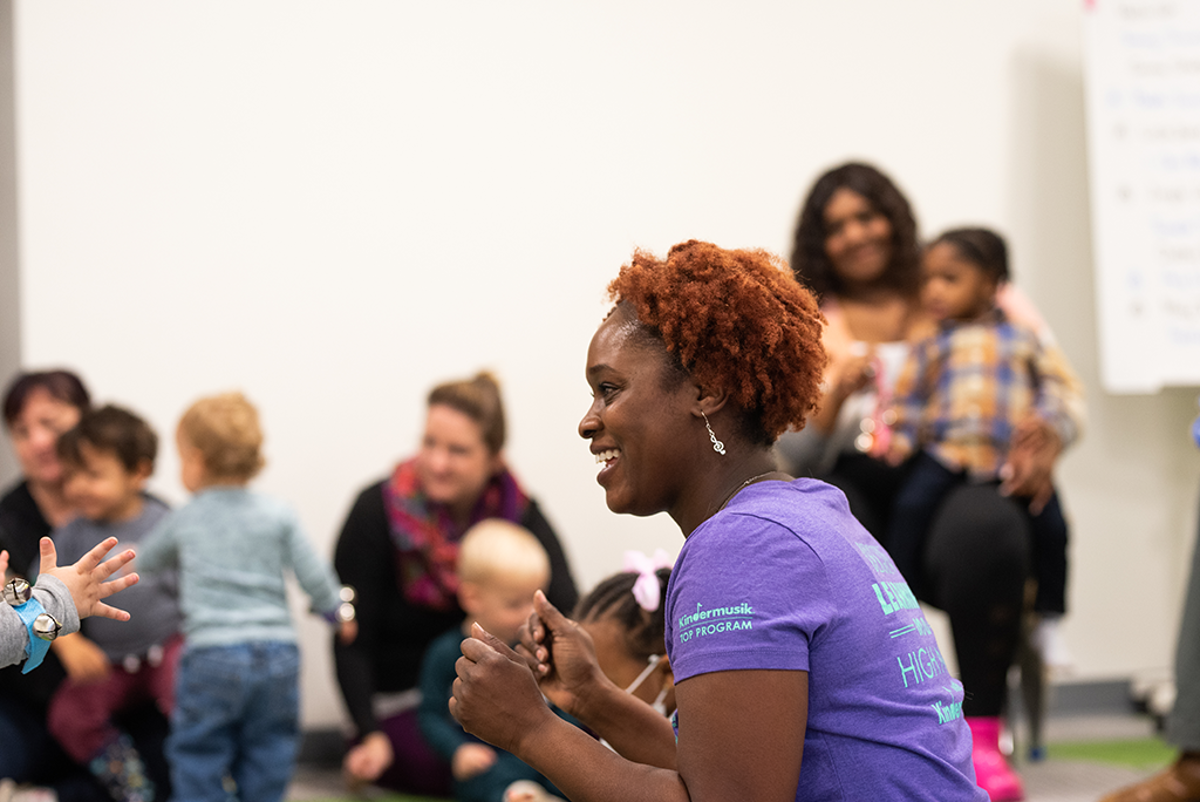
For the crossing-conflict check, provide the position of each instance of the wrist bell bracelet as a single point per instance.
(346, 611)
(42, 628)
(17, 592)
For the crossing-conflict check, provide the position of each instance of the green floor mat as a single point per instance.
(1144, 754)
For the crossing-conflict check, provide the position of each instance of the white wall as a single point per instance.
(335, 205)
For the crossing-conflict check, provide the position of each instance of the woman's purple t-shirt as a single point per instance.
(785, 578)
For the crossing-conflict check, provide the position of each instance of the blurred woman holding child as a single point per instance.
(399, 550)
(856, 247)
(39, 406)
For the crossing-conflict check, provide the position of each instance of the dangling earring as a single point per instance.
(718, 446)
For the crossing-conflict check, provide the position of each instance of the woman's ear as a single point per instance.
(710, 400)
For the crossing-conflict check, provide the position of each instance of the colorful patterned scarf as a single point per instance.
(426, 537)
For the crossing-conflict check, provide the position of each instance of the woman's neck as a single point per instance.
(52, 502)
(880, 316)
(713, 490)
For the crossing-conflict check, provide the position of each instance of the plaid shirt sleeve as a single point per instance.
(911, 396)
(1060, 392)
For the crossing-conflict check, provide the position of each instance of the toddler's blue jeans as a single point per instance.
(237, 712)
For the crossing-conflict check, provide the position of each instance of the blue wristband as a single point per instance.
(36, 648)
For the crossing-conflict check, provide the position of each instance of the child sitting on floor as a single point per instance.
(500, 566)
(237, 703)
(113, 666)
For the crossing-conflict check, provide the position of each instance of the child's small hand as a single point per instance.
(82, 659)
(471, 759)
(4, 563)
(86, 578)
(368, 760)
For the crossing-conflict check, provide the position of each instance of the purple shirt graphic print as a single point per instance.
(785, 578)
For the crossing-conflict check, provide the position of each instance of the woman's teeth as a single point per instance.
(605, 456)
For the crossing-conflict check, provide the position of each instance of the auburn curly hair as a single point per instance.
(809, 261)
(733, 319)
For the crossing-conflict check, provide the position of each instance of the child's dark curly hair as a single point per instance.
(736, 320)
(114, 430)
(982, 247)
(613, 599)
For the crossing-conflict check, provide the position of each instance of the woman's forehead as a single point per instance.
(618, 336)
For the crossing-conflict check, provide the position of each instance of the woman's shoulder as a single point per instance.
(767, 510)
(17, 503)
(370, 500)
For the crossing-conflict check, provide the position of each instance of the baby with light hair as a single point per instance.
(500, 566)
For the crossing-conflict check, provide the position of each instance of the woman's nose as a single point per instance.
(853, 232)
(43, 438)
(590, 423)
(437, 459)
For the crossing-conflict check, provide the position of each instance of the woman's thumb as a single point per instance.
(551, 617)
(494, 643)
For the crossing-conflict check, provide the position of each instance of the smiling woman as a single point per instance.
(802, 671)
(399, 550)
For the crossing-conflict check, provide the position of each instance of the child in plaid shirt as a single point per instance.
(965, 394)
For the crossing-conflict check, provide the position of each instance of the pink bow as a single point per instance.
(646, 589)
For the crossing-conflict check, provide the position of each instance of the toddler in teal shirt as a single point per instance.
(237, 698)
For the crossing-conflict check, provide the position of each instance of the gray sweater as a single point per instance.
(153, 603)
(55, 597)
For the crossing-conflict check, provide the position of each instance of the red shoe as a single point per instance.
(992, 772)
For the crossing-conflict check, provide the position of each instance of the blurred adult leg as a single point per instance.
(1181, 781)
(977, 561)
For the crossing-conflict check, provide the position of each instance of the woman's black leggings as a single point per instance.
(976, 562)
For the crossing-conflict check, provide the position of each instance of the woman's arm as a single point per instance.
(744, 734)
(741, 732)
(1055, 423)
(807, 452)
(362, 561)
(847, 375)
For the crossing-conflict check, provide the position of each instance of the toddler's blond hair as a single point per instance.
(225, 430)
(495, 547)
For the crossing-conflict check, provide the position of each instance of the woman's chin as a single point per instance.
(45, 475)
(615, 503)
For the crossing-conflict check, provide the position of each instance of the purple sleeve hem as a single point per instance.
(756, 659)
